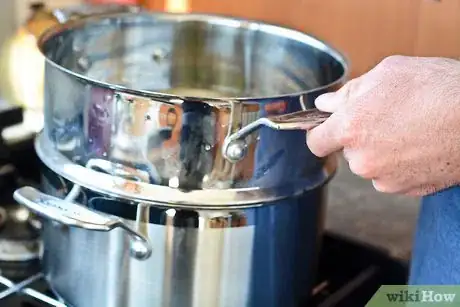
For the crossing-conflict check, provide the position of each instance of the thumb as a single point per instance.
(329, 102)
(324, 139)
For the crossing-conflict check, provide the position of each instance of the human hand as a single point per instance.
(398, 125)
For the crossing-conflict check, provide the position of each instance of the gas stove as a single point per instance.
(349, 272)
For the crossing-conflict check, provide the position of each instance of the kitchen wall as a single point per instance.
(365, 30)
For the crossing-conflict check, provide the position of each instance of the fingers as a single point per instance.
(328, 102)
(392, 187)
(331, 102)
(386, 187)
(324, 139)
(429, 189)
(422, 191)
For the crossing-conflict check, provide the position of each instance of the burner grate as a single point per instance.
(25, 288)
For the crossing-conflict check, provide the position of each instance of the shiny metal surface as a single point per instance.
(235, 147)
(254, 257)
(161, 92)
(17, 287)
(118, 184)
(158, 94)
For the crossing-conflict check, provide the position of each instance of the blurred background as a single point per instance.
(365, 30)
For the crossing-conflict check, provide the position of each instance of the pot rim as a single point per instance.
(157, 195)
(269, 28)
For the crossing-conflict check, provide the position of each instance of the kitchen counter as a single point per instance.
(357, 211)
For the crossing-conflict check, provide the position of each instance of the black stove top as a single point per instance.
(349, 272)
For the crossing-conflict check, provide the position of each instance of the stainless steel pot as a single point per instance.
(155, 125)
(253, 257)
(107, 96)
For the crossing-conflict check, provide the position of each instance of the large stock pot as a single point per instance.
(170, 179)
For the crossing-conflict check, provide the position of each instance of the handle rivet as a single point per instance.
(236, 150)
(140, 250)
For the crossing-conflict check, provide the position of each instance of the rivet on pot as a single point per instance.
(139, 250)
(236, 150)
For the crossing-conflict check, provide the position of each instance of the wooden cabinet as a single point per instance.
(364, 30)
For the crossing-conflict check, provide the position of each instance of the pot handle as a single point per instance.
(235, 147)
(63, 15)
(70, 214)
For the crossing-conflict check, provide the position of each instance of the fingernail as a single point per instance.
(322, 99)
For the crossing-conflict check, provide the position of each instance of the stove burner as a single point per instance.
(20, 243)
(12, 250)
(19, 235)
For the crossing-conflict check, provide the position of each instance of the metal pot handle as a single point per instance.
(235, 147)
(63, 15)
(71, 214)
